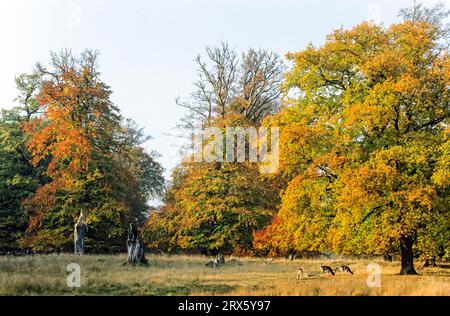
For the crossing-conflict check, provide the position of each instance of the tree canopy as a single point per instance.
(364, 144)
(70, 150)
(214, 206)
(364, 152)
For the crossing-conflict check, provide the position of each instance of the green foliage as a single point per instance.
(215, 208)
(17, 182)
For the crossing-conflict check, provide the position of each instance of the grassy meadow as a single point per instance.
(187, 275)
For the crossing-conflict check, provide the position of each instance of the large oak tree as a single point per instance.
(365, 143)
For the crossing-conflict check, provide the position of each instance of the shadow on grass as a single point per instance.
(444, 266)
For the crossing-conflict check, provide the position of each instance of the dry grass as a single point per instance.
(185, 275)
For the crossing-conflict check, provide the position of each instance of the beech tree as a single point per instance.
(364, 144)
(92, 157)
(214, 207)
(217, 206)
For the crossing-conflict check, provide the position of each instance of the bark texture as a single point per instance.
(79, 233)
(406, 245)
(135, 247)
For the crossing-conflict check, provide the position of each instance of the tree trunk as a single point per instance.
(78, 235)
(406, 245)
(135, 247)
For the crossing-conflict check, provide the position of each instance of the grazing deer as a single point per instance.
(345, 269)
(327, 269)
(213, 263)
(221, 259)
(217, 262)
(300, 274)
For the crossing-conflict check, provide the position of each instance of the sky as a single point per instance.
(147, 47)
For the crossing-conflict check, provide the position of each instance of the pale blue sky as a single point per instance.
(147, 47)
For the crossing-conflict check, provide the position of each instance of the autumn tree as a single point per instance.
(215, 210)
(93, 159)
(216, 206)
(364, 143)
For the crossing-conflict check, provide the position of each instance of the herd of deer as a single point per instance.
(326, 269)
(220, 260)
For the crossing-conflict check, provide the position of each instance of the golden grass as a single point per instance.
(187, 275)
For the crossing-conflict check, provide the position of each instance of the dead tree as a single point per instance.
(79, 232)
(249, 85)
(135, 247)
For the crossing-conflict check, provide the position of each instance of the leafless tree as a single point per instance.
(215, 86)
(260, 84)
(250, 85)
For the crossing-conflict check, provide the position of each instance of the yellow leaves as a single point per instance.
(362, 141)
(359, 188)
(328, 165)
(414, 37)
(388, 63)
(421, 196)
(220, 205)
(441, 174)
(407, 85)
(369, 117)
(305, 212)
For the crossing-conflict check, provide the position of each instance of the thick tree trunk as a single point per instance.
(135, 247)
(78, 235)
(406, 245)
